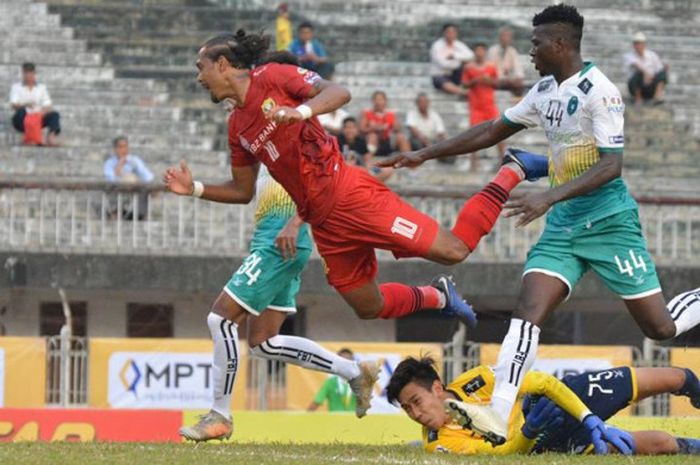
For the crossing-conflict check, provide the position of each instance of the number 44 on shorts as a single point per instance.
(627, 267)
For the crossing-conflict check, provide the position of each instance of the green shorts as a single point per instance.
(266, 280)
(613, 247)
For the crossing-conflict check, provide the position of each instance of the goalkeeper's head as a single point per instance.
(417, 388)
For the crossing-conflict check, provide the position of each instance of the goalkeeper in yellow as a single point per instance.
(555, 416)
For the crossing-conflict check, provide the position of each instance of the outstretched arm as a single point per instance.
(532, 206)
(240, 189)
(473, 139)
(324, 97)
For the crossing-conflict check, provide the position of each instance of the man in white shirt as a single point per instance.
(505, 57)
(447, 57)
(425, 125)
(28, 97)
(123, 167)
(646, 72)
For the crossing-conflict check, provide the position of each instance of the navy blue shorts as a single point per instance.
(605, 393)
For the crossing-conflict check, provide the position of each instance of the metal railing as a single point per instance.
(66, 371)
(100, 217)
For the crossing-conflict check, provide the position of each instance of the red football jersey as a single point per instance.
(480, 96)
(301, 156)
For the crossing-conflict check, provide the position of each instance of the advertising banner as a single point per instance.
(22, 372)
(303, 384)
(563, 360)
(155, 374)
(85, 425)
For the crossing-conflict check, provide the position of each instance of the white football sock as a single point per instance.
(224, 333)
(685, 310)
(515, 359)
(306, 353)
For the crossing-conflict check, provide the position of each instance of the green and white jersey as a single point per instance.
(582, 117)
(274, 208)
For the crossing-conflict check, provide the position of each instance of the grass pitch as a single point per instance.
(282, 454)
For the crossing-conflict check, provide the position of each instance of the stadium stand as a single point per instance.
(148, 46)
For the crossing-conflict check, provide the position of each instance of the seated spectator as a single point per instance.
(505, 57)
(354, 149)
(283, 27)
(646, 72)
(481, 78)
(310, 52)
(32, 105)
(123, 167)
(382, 129)
(425, 125)
(447, 57)
(333, 121)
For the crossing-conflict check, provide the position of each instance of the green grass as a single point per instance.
(280, 454)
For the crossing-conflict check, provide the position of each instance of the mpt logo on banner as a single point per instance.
(159, 380)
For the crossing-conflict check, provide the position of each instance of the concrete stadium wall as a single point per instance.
(190, 284)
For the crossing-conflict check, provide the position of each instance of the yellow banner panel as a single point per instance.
(303, 384)
(155, 373)
(684, 358)
(22, 372)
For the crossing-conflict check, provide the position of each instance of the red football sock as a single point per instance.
(480, 212)
(401, 300)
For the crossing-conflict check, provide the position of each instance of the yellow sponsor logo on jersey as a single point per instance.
(268, 105)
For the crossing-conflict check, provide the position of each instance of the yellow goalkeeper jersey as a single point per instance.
(476, 386)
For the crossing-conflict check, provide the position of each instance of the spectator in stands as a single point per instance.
(646, 72)
(336, 391)
(481, 78)
(333, 121)
(32, 106)
(382, 129)
(352, 144)
(505, 57)
(283, 27)
(123, 167)
(425, 125)
(355, 151)
(310, 52)
(447, 57)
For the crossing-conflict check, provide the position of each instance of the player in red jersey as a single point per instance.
(350, 213)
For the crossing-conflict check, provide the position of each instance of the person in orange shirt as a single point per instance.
(382, 129)
(481, 78)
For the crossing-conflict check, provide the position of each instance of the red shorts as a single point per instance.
(368, 216)
(480, 114)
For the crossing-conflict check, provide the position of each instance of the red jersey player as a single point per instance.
(350, 213)
(481, 78)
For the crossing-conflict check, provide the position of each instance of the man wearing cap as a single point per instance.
(646, 72)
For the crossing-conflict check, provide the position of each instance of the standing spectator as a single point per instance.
(283, 27)
(382, 129)
(336, 391)
(333, 121)
(505, 57)
(123, 167)
(481, 78)
(31, 102)
(646, 72)
(425, 125)
(447, 57)
(310, 52)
